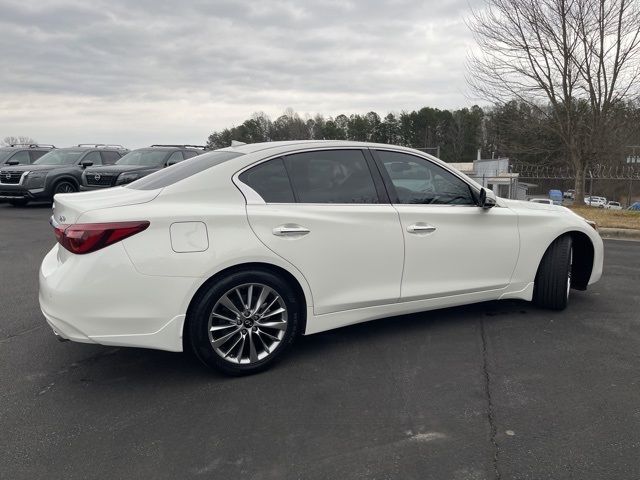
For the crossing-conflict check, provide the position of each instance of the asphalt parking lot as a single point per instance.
(495, 390)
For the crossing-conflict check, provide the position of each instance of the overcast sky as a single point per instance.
(138, 72)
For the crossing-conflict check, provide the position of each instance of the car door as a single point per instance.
(452, 246)
(323, 212)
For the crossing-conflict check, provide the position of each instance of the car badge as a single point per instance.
(96, 177)
(7, 176)
(62, 218)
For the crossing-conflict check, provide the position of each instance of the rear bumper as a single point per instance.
(101, 298)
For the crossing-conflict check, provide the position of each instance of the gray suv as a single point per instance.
(23, 153)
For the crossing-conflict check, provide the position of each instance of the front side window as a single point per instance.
(109, 157)
(189, 153)
(22, 157)
(331, 176)
(36, 154)
(93, 157)
(175, 158)
(147, 158)
(60, 157)
(419, 181)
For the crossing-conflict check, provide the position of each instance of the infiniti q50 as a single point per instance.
(235, 253)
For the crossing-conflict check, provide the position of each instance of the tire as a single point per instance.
(64, 186)
(553, 280)
(19, 203)
(241, 341)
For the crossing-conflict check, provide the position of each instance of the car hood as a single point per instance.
(68, 207)
(116, 169)
(520, 204)
(32, 168)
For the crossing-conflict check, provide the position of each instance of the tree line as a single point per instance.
(514, 129)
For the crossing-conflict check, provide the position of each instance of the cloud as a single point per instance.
(165, 68)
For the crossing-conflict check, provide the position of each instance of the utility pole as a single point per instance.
(635, 160)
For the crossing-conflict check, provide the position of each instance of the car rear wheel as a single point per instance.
(553, 280)
(64, 187)
(244, 323)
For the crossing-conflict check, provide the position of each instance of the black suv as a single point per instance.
(137, 164)
(22, 153)
(58, 171)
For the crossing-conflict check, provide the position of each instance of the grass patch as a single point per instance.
(609, 218)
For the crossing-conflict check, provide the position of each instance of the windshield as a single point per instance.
(149, 158)
(59, 157)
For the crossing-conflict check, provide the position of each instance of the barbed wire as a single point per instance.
(596, 172)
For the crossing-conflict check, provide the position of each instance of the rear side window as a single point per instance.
(110, 157)
(180, 171)
(270, 180)
(331, 176)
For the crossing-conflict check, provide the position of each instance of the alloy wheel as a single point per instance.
(65, 188)
(247, 323)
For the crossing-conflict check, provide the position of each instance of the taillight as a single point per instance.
(88, 237)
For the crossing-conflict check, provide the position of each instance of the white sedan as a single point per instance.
(236, 252)
(613, 206)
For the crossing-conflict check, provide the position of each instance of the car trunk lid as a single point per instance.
(67, 208)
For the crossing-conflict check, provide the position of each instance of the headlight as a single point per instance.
(126, 178)
(35, 179)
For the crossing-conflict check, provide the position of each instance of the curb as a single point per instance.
(619, 233)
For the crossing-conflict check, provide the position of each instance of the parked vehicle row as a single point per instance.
(136, 164)
(595, 201)
(84, 167)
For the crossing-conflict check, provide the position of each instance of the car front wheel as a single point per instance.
(553, 280)
(244, 323)
(64, 187)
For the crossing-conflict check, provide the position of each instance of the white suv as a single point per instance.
(235, 252)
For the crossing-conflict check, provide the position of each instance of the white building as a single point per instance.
(494, 174)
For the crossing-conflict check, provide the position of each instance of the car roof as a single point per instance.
(27, 146)
(197, 148)
(297, 144)
(85, 148)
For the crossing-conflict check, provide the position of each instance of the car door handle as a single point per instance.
(421, 227)
(290, 230)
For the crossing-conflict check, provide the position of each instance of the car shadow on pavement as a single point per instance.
(110, 365)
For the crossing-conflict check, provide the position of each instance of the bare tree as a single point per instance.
(14, 140)
(573, 60)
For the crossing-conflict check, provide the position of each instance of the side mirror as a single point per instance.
(13, 162)
(87, 163)
(487, 198)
